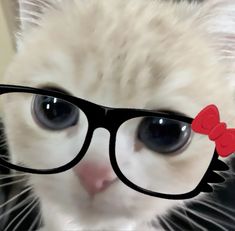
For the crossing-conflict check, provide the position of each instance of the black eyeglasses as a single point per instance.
(159, 144)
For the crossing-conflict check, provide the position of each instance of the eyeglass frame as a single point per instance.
(111, 119)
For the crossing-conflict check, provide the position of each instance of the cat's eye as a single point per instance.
(163, 135)
(54, 113)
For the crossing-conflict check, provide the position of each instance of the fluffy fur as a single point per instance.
(119, 53)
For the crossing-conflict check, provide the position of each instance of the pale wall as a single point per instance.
(6, 46)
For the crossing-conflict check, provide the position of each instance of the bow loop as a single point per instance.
(207, 122)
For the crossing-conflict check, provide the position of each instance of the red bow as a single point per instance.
(207, 122)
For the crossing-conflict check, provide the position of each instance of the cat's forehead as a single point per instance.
(118, 57)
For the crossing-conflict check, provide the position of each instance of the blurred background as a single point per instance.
(7, 28)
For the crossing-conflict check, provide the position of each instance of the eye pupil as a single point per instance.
(163, 135)
(55, 109)
(53, 113)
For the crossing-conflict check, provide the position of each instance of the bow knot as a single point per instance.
(217, 131)
(207, 122)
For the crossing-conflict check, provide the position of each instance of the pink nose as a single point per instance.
(95, 178)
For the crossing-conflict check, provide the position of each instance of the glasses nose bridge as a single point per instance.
(100, 118)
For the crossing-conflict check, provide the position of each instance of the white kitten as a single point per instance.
(119, 53)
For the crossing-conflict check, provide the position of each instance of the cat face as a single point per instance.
(148, 55)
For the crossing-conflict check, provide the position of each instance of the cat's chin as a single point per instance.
(107, 215)
(116, 214)
(117, 204)
(115, 209)
(108, 206)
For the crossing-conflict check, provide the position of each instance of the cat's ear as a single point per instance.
(31, 13)
(219, 18)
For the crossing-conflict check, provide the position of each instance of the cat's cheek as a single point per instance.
(61, 188)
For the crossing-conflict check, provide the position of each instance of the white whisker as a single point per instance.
(37, 218)
(186, 215)
(219, 205)
(19, 214)
(3, 143)
(3, 156)
(17, 206)
(189, 219)
(206, 218)
(23, 218)
(169, 221)
(13, 182)
(165, 222)
(7, 176)
(16, 196)
(216, 209)
(40, 223)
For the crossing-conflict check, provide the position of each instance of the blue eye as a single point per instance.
(163, 135)
(54, 113)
